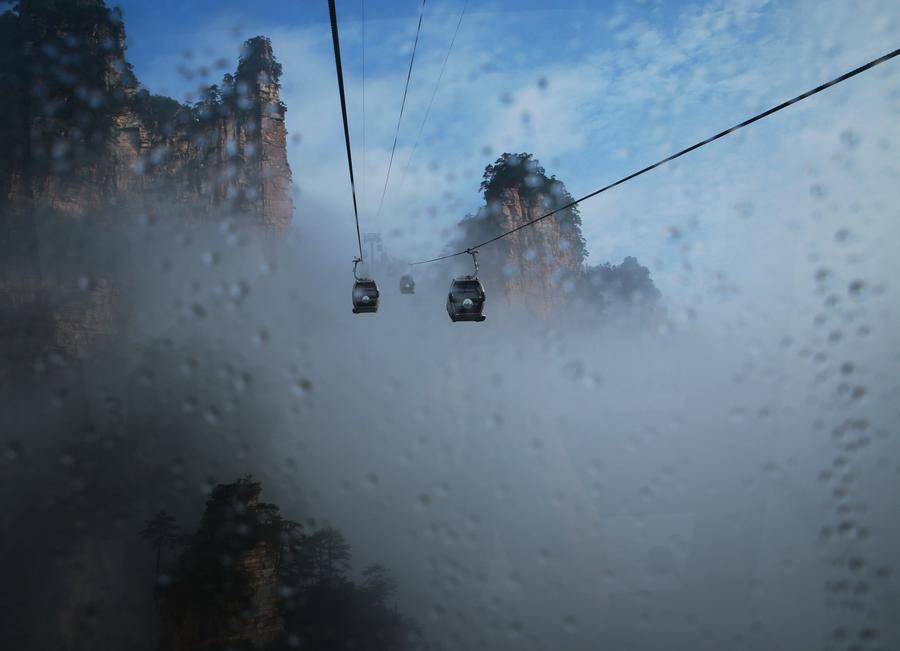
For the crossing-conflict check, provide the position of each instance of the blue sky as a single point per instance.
(626, 83)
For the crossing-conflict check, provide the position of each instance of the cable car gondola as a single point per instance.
(365, 293)
(465, 301)
(407, 284)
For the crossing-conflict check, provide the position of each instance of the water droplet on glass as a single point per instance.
(573, 371)
(301, 387)
(13, 451)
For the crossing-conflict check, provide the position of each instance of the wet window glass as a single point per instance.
(673, 424)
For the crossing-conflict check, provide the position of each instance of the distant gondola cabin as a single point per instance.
(407, 285)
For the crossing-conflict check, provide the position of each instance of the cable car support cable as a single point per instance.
(340, 79)
(434, 92)
(721, 134)
(362, 185)
(402, 105)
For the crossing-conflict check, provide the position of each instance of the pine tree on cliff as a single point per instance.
(258, 63)
(332, 553)
(380, 585)
(161, 531)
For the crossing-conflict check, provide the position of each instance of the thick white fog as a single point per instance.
(534, 482)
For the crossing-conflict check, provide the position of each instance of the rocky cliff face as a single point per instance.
(535, 259)
(84, 137)
(543, 267)
(225, 591)
(82, 140)
(529, 266)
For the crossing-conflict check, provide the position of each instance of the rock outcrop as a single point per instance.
(543, 267)
(529, 265)
(82, 137)
(225, 590)
(84, 142)
(535, 258)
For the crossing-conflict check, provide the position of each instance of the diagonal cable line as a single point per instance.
(434, 92)
(402, 105)
(340, 79)
(721, 134)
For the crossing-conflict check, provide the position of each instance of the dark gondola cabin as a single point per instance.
(365, 296)
(465, 302)
(407, 285)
